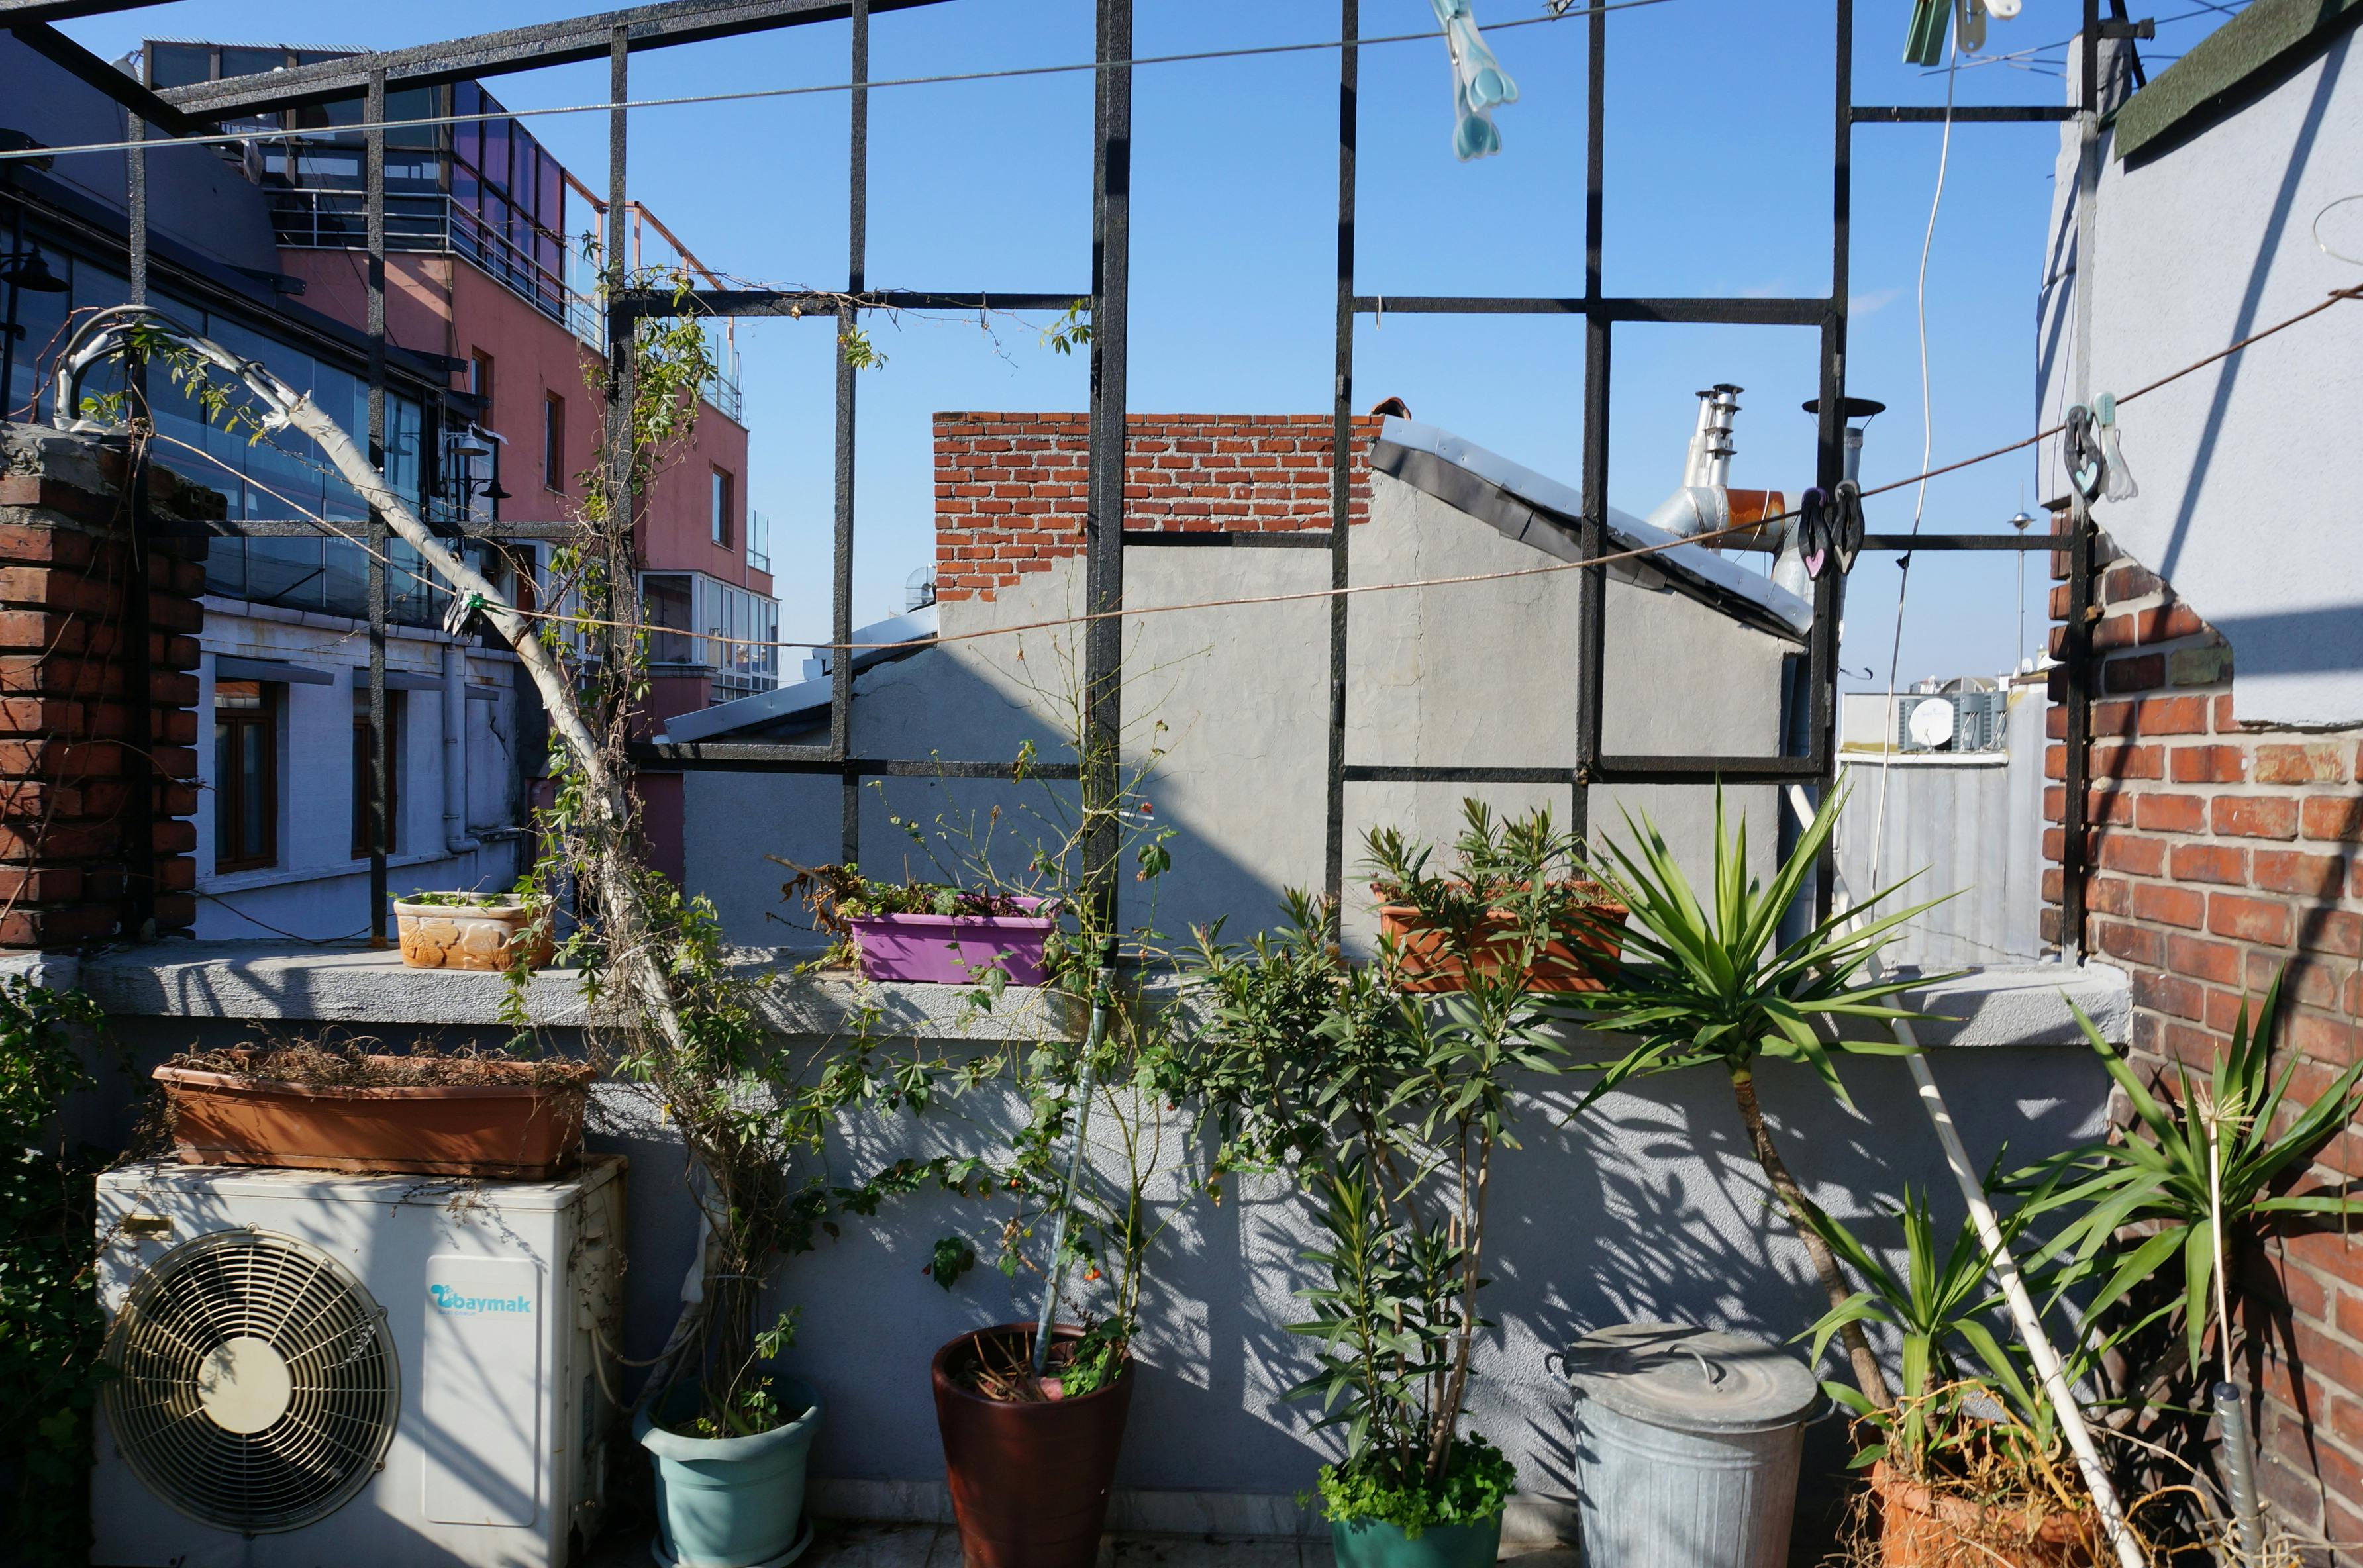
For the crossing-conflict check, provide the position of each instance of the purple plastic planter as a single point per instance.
(953, 950)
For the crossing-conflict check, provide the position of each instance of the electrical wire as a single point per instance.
(307, 941)
(754, 93)
(1928, 451)
(1637, 552)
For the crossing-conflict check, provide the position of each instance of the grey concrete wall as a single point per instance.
(1647, 1206)
(1966, 828)
(2248, 469)
(1235, 699)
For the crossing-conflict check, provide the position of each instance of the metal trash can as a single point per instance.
(1687, 1446)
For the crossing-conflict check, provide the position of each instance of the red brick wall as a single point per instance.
(2223, 852)
(75, 744)
(1010, 488)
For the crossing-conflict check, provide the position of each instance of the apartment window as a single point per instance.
(361, 772)
(553, 441)
(479, 381)
(668, 599)
(723, 513)
(246, 775)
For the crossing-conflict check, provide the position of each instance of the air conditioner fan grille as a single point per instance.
(256, 1385)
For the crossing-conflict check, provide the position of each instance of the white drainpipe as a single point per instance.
(455, 751)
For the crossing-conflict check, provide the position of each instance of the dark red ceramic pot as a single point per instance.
(1029, 1482)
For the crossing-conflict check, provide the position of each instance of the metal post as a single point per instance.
(1592, 582)
(15, 259)
(2076, 656)
(1341, 463)
(1829, 452)
(380, 749)
(139, 763)
(840, 663)
(1104, 514)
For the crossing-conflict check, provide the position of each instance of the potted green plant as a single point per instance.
(929, 932)
(474, 931)
(1394, 1108)
(1513, 885)
(729, 1462)
(1706, 981)
(1966, 1464)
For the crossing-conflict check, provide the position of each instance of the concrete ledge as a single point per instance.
(354, 985)
(2008, 1005)
(2017, 1005)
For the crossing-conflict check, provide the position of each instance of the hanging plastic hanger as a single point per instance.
(2121, 485)
(1971, 21)
(1480, 85)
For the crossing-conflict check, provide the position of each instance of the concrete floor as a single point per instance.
(938, 1546)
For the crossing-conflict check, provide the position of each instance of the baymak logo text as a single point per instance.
(460, 1304)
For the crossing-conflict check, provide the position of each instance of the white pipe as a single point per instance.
(455, 751)
(2000, 1263)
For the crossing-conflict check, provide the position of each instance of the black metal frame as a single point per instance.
(617, 34)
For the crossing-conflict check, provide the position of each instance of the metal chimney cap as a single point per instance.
(1853, 407)
(1692, 1380)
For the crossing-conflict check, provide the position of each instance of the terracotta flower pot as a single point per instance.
(1029, 1482)
(1922, 1528)
(470, 936)
(1427, 961)
(525, 1131)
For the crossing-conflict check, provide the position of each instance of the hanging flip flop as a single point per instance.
(2081, 450)
(1845, 529)
(1814, 531)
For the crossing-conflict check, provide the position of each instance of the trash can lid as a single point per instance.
(1690, 1380)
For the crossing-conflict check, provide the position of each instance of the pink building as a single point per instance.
(484, 277)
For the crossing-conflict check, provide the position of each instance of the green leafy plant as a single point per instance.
(52, 1330)
(1393, 1109)
(2149, 1217)
(1706, 981)
(1479, 1480)
(1523, 870)
(467, 899)
(1956, 1371)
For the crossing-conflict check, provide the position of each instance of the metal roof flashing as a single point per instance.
(1537, 510)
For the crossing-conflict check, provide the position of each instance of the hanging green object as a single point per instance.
(1925, 43)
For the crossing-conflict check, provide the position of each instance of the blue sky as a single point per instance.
(1718, 183)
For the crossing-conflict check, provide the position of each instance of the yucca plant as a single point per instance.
(2196, 1177)
(1938, 1308)
(1706, 982)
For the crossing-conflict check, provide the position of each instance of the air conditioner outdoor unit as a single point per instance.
(316, 1368)
(1951, 720)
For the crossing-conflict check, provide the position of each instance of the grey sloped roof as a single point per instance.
(803, 701)
(1537, 510)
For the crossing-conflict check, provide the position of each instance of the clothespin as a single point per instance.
(2121, 485)
(1924, 41)
(1480, 85)
(463, 607)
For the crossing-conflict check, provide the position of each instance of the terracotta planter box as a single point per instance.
(464, 936)
(1920, 1529)
(523, 1131)
(1428, 963)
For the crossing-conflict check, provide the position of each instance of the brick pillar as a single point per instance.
(76, 741)
(2225, 853)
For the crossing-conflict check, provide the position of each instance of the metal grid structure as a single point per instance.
(619, 34)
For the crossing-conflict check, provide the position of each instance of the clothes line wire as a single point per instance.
(1637, 552)
(749, 94)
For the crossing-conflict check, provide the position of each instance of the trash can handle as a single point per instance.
(1707, 1369)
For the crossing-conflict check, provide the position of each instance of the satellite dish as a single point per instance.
(1932, 723)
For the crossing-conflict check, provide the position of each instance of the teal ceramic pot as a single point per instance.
(1368, 1544)
(730, 1502)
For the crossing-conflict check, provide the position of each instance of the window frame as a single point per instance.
(231, 853)
(394, 708)
(723, 504)
(553, 441)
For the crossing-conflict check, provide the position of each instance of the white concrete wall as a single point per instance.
(319, 890)
(2249, 469)
(1237, 698)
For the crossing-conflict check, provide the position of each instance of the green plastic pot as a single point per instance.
(1370, 1544)
(730, 1502)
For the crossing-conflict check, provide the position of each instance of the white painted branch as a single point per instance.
(2003, 1265)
